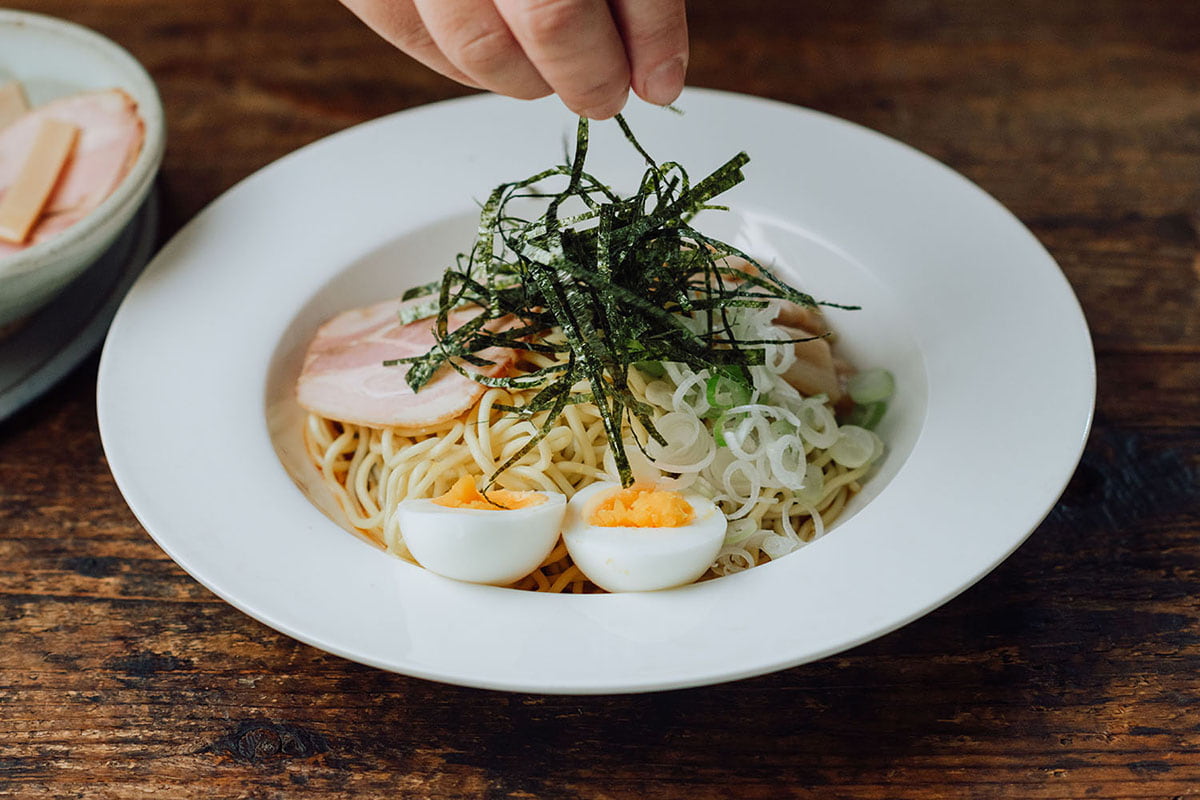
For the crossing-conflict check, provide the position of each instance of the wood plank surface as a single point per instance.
(1072, 671)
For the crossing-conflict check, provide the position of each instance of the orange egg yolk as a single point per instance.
(642, 507)
(463, 494)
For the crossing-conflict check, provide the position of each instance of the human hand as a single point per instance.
(589, 52)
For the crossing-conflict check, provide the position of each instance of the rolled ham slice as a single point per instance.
(788, 314)
(806, 318)
(110, 139)
(344, 378)
(815, 370)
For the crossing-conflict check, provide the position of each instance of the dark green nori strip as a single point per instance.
(617, 279)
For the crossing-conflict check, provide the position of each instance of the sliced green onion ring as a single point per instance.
(654, 369)
(867, 415)
(723, 392)
(871, 386)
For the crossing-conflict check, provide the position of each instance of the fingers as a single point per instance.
(588, 51)
(476, 39)
(577, 49)
(656, 40)
(398, 22)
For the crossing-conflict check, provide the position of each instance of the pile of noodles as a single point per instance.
(777, 463)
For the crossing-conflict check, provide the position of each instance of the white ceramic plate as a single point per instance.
(992, 356)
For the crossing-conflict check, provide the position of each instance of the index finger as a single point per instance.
(577, 49)
(655, 34)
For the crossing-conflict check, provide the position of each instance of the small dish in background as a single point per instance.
(52, 58)
(41, 349)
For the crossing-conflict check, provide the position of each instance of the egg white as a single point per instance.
(481, 546)
(625, 559)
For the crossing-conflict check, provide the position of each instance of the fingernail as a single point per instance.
(665, 83)
(605, 111)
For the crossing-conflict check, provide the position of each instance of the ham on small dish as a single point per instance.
(110, 138)
(344, 378)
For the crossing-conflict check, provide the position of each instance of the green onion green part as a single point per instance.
(867, 415)
(654, 369)
(871, 386)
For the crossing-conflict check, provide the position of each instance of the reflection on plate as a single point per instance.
(985, 432)
(41, 350)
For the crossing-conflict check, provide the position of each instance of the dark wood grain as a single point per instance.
(1072, 671)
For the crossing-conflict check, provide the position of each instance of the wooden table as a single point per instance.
(1072, 671)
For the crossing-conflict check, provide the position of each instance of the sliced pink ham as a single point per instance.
(344, 378)
(806, 318)
(815, 370)
(792, 315)
(110, 139)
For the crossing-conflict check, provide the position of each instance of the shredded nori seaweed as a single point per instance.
(617, 277)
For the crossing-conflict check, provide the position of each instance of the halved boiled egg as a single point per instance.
(498, 538)
(642, 538)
